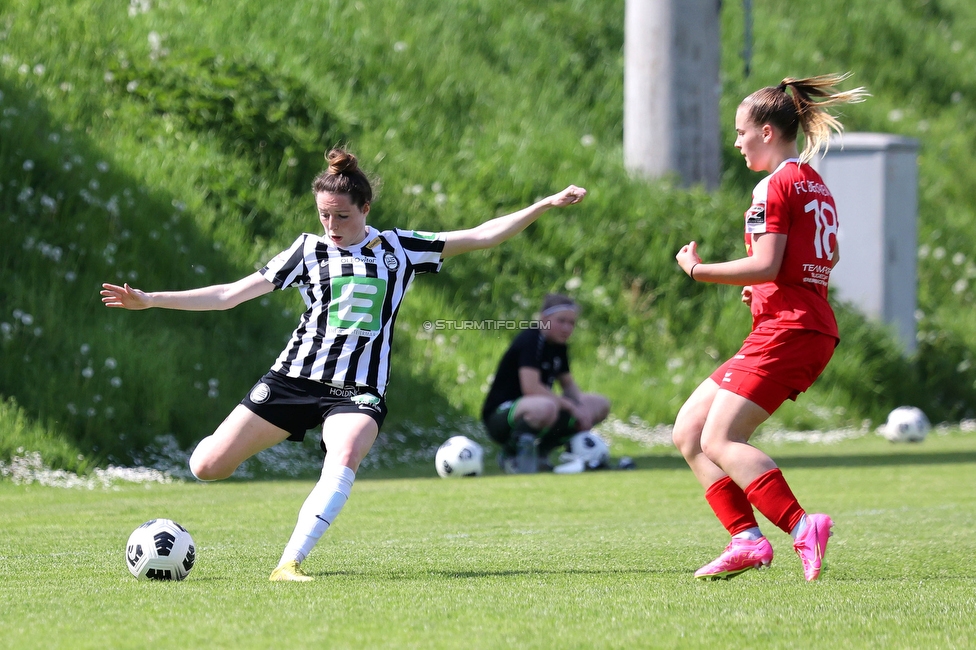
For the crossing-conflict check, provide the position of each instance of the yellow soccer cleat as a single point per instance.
(289, 572)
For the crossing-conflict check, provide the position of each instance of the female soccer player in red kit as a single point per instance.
(791, 241)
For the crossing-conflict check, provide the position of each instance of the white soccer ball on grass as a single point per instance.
(160, 549)
(459, 456)
(586, 451)
(906, 424)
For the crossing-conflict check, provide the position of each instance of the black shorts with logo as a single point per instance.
(297, 404)
(499, 422)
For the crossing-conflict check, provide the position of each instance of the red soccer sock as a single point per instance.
(772, 496)
(730, 505)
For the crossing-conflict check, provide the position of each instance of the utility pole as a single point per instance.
(671, 89)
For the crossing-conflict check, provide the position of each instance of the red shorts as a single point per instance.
(775, 365)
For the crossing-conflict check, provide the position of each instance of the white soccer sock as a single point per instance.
(318, 512)
(799, 527)
(752, 534)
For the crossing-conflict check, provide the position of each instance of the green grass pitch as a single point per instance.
(597, 560)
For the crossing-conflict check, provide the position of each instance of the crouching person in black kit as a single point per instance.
(522, 413)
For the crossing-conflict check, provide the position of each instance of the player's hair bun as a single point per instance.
(341, 161)
(344, 176)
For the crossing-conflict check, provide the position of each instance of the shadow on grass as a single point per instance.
(651, 463)
(879, 460)
(506, 573)
(850, 460)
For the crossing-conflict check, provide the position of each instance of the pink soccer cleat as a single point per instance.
(740, 555)
(811, 544)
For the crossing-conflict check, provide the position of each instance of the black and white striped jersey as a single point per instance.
(352, 296)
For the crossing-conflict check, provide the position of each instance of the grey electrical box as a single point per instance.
(874, 180)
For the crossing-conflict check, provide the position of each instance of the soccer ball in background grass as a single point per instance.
(591, 448)
(459, 456)
(585, 451)
(160, 549)
(906, 424)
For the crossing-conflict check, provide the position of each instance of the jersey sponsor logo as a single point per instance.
(260, 393)
(420, 234)
(814, 187)
(342, 392)
(756, 218)
(366, 402)
(390, 260)
(358, 304)
(349, 259)
(817, 273)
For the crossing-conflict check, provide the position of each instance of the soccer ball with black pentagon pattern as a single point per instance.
(906, 424)
(591, 449)
(160, 549)
(459, 456)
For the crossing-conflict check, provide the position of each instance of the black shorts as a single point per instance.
(297, 405)
(499, 422)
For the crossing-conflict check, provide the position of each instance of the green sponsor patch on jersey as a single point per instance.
(358, 303)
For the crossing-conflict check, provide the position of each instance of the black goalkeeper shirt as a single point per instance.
(529, 349)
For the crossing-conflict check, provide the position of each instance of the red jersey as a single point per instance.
(794, 201)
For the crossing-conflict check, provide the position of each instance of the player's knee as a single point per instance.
(548, 413)
(686, 437)
(551, 413)
(712, 446)
(200, 472)
(204, 469)
(542, 414)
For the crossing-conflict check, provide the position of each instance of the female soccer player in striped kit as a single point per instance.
(335, 368)
(791, 244)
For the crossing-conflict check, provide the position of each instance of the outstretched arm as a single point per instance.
(762, 266)
(212, 298)
(495, 231)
